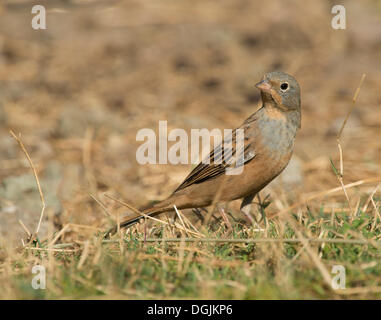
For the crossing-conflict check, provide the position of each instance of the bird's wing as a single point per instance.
(223, 157)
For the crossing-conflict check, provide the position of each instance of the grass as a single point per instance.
(79, 114)
(129, 267)
(289, 255)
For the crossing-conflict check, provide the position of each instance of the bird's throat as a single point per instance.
(274, 113)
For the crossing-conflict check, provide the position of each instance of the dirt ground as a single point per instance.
(79, 91)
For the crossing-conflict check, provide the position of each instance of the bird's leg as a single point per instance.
(246, 206)
(145, 229)
(262, 206)
(224, 217)
(198, 213)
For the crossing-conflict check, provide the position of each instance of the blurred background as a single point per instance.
(79, 91)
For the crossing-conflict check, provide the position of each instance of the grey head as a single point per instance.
(281, 90)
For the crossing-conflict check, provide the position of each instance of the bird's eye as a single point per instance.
(284, 86)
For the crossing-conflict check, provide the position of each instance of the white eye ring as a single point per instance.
(284, 86)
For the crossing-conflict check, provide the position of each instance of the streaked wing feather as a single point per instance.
(218, 161)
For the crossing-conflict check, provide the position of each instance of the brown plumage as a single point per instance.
(269, 136)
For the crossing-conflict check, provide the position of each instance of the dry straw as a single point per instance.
(21, 144)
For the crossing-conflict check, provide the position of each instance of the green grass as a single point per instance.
(135, 269)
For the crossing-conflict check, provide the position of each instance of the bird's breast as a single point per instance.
(276, 136)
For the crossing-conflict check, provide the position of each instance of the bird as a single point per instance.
(269, 136)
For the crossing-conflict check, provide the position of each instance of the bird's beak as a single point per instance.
(264, 85)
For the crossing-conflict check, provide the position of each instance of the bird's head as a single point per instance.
(280, 90)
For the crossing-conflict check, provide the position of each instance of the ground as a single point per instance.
(79, 91)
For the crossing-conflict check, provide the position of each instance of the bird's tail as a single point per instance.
(151, 212)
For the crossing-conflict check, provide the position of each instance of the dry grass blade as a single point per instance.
(59, 234)
(51, 249)
(260, 240)
(353, 106)
(340, 176)
(359, 290)
(370, 198)
(181, 219)
(125, 205)
(148, 216)
(35, 176)
(325, 193)
(104, 208)
(25, 228)
(316, 260)
(84, 255)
